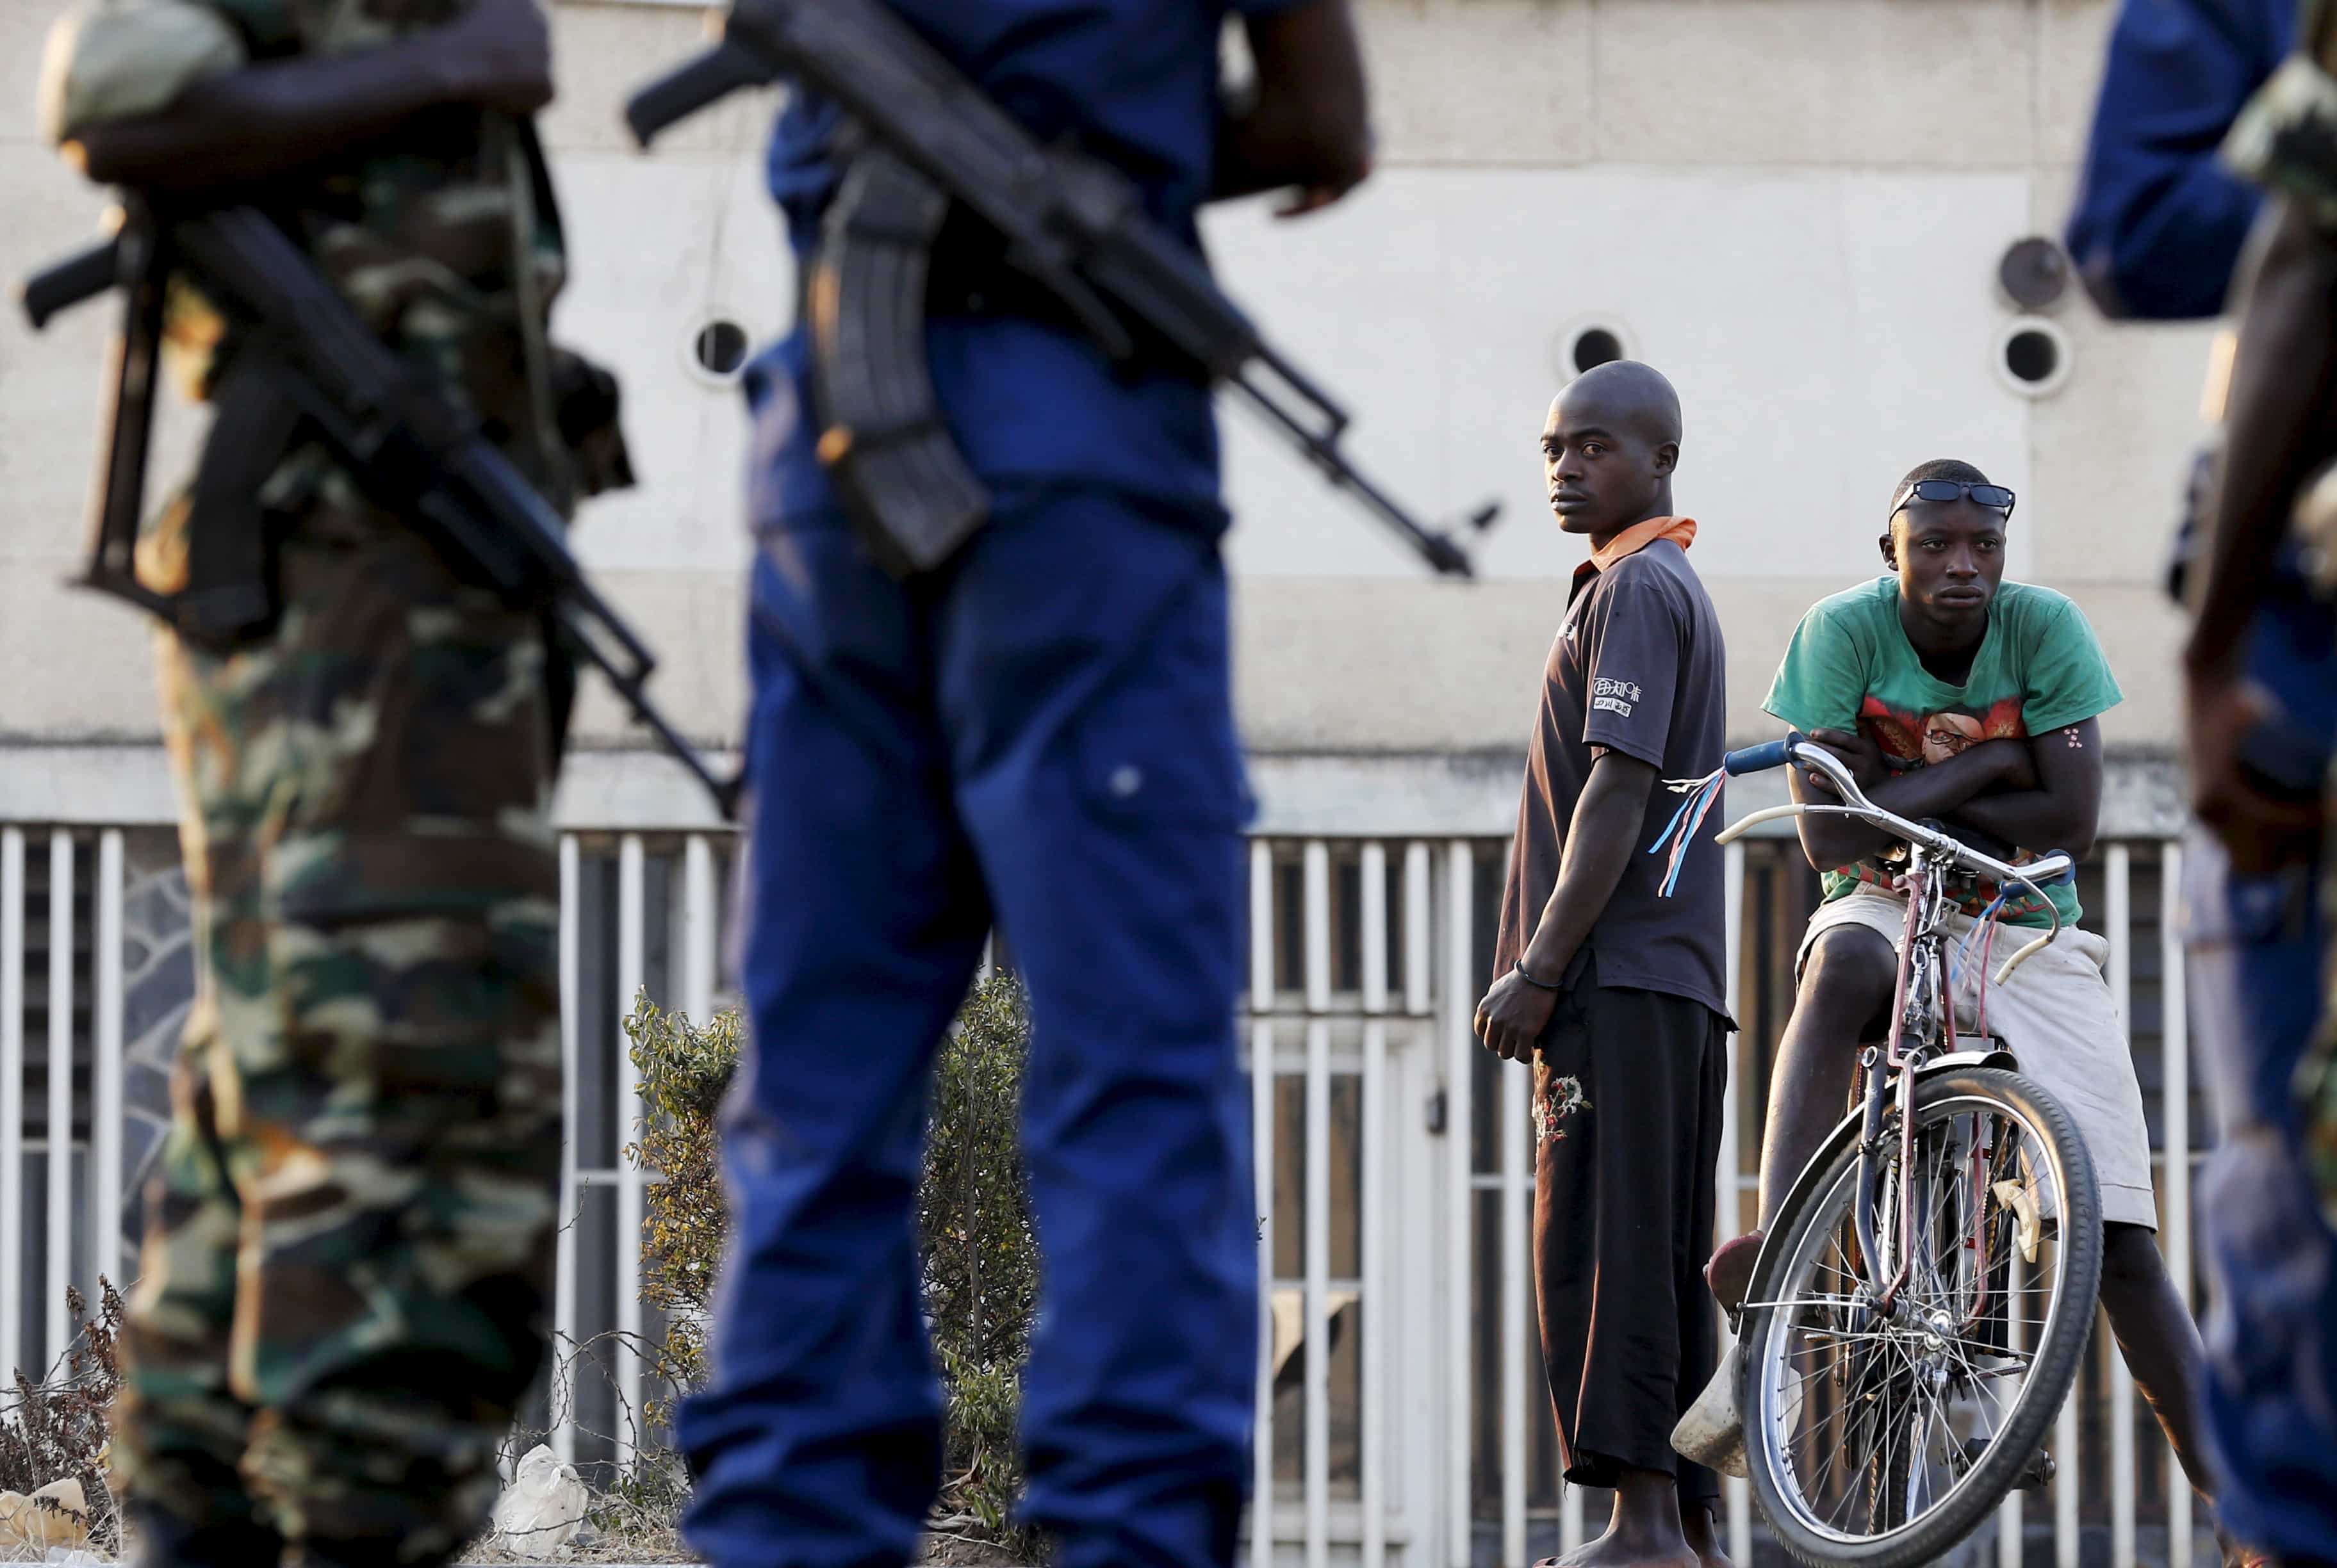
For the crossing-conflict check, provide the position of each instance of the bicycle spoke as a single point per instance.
(1805, 1303)
(1872, 1421)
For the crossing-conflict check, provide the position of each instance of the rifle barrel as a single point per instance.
(1074, 224)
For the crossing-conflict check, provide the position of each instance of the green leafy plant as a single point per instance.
(685, 1070)
(980, 1258)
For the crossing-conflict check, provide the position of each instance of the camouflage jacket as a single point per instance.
(421, 236)
(2285, 139)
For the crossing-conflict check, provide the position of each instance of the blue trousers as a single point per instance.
(2256, 952)
(1040, 734)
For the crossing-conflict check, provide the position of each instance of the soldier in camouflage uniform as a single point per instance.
(2271, 1194)
(344, 1284)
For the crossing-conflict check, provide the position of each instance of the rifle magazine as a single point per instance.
(887, 451)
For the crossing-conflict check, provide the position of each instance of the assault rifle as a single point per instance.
(304, 356)
(925, 142)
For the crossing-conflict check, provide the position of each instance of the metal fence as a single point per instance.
(1401, 1409)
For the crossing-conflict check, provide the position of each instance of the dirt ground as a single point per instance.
(662, 1547)
(941, 1550)
(951, 1549)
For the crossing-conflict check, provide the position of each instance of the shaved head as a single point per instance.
(1610, 447)
(1626, 393)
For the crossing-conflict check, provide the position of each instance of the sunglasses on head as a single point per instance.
(1995, 497)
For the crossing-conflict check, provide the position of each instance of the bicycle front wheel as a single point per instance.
(1882, 1437)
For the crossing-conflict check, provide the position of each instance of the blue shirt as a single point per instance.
(2159, 221)
(1136, 81)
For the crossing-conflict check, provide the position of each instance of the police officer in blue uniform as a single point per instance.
(2158, 226)
(1038, 733)
(2158, 221)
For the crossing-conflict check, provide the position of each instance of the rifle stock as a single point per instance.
(698, 82)
(62, 285)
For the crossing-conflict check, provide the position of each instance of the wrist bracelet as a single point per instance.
(1540, 985)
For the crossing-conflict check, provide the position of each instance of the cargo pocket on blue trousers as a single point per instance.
(1157, 745)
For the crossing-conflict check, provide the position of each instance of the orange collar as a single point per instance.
(1680, 530)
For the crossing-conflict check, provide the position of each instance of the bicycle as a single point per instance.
(1921, 1304)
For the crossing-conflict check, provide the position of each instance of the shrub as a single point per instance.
(685, 1071)
(980, 1257)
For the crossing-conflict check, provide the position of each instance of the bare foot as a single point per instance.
(1614, 1551)
(1703, 1536)
(2237, 1554)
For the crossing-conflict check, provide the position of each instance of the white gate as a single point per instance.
(1396, 1197)
(1401, 1414)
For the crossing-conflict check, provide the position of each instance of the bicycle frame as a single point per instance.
(1915, 1020)
(1922, 1004)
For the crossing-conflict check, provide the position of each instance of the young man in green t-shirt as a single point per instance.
(1951, 694)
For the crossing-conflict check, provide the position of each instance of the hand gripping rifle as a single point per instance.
(925, 141)
(303, 354)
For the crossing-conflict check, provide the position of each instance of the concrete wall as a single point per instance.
(1795, 207)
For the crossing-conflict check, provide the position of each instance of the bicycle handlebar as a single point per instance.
(2046, 871)
(1763, 757)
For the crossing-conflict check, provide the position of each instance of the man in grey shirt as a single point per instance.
(1611, 988)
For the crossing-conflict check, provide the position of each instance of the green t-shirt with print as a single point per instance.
(1850, 666)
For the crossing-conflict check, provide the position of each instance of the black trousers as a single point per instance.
(1628, 1103)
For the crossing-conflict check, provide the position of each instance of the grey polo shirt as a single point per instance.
(1638, 667)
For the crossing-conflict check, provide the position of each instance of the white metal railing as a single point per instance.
(1521, 1402)
(1728, 1220)
(1356, 1036)
(565, 1261)
(631, 961)
(1460, 1048)
(11, 1091)
(61, 1048)
(1368, 1168)
(693, 923)
(1521, 1393)
(76, 1246)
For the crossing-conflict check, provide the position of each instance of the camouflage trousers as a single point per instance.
(343, 1289)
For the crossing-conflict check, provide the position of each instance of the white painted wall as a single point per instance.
(1826, 329)
(1795, 207)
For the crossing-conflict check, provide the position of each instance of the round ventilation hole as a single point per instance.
(719, 348)
(2032, 356)
(1594, 347)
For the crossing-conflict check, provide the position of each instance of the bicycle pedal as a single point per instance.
(2035, 1475)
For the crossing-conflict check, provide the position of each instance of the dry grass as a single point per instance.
(60, 1427)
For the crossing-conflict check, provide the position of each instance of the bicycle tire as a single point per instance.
(1820, 1201)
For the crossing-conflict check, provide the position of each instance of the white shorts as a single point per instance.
(2056, 1015)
